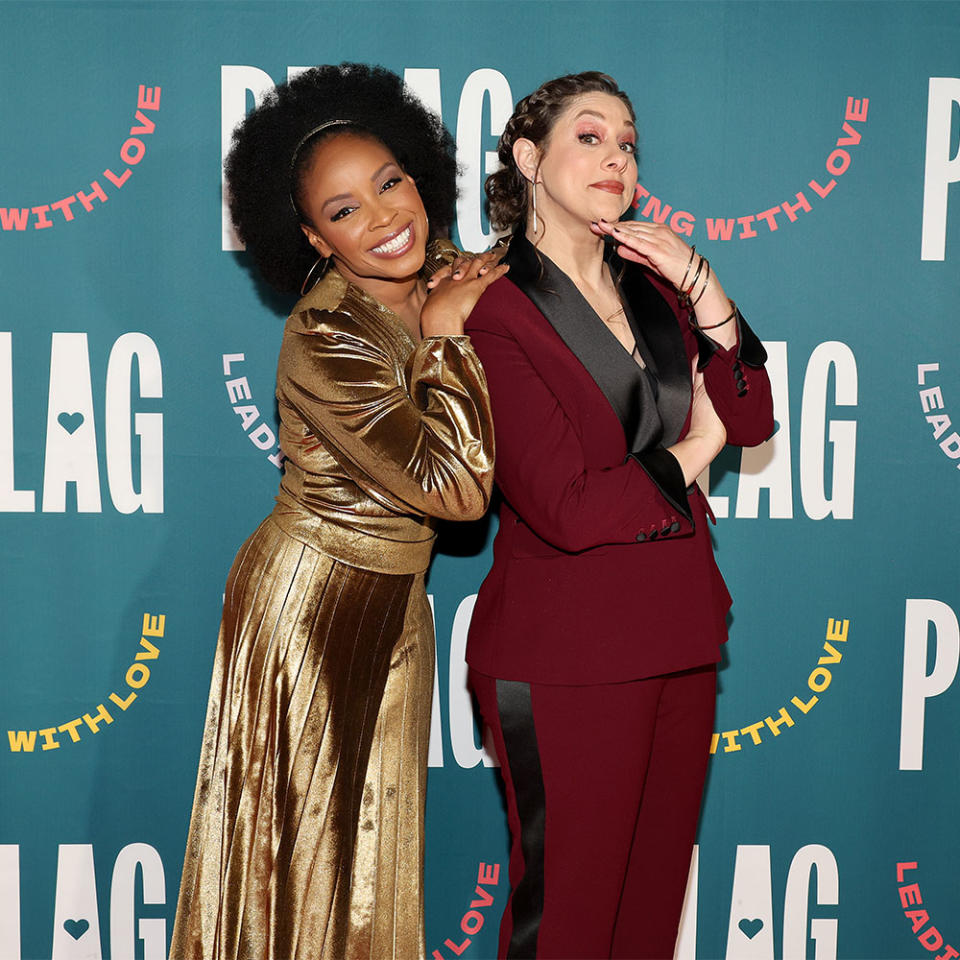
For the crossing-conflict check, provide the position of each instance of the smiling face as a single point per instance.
(587, 167)
(365, 211)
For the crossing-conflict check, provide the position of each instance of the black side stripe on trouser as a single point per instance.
(515, 706)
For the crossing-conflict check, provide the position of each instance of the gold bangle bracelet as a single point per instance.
(713, 326)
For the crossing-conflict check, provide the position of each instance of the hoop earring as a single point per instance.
(307, 286)
(534, 187)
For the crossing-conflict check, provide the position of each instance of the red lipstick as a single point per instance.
(609, 186)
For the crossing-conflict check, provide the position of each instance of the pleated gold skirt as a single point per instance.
(306, 838)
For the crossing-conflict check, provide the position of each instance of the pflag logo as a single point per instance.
(940, 168)
(128, 440)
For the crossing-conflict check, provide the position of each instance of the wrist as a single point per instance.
(444, 328)
(695, 281)
(709, 440)
(695, 452)
(728, 312)
(436, 321)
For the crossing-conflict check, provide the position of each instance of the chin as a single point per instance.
(610, 212)
(406, 266)
(409, 263)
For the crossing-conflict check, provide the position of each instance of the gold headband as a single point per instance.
(303, 140)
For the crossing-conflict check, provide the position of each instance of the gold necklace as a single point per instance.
(612, 315)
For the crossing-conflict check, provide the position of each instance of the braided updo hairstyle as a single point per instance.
(508, 190)
(273, 148)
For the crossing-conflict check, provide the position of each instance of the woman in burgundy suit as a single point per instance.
(617, 368)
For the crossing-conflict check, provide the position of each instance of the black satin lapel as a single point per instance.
(524, 266)
(648, 358)
(556, 296)
(661, 345)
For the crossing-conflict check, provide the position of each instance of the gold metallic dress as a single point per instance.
(306, 838)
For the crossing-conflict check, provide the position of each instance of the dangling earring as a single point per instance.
(307, 286)
(534, 207)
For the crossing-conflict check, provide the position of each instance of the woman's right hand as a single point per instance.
(704, 421)
(706, 436)
(454, 290)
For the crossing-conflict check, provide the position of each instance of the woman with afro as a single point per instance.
(306, 838)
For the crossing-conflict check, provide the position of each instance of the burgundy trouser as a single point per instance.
(603, 790)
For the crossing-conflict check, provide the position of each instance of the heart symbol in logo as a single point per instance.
(750, 928)
(76, 928)
(71, 422)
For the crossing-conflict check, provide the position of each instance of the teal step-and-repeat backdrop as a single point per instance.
(810, 148)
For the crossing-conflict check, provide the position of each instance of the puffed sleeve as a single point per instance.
(419, 439)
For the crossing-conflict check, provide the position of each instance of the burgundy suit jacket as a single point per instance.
(603, 567)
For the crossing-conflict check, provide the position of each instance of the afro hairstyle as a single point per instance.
(258, 169)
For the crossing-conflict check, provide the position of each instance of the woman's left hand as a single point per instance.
(654, 245)
(461, 266)
(453, 292)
